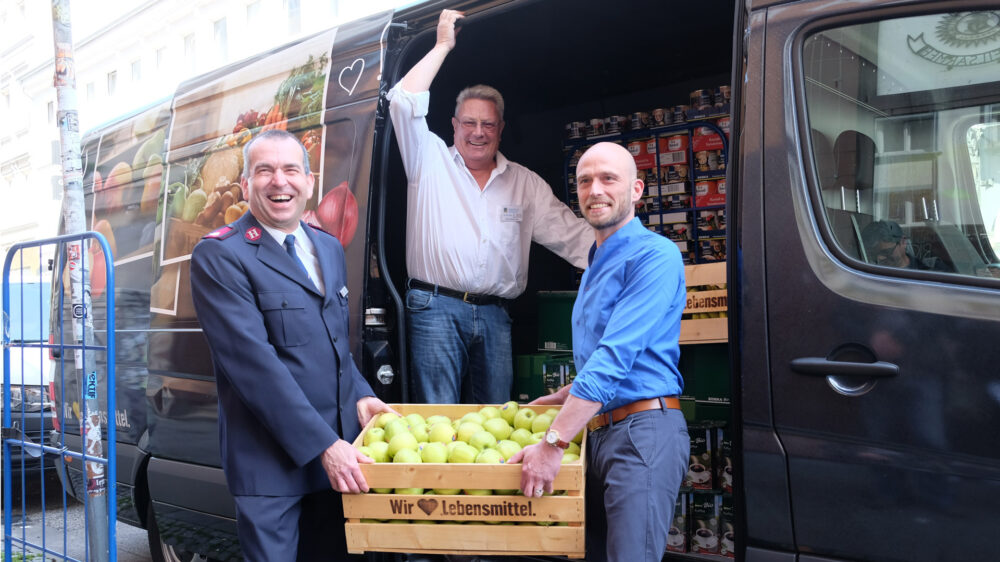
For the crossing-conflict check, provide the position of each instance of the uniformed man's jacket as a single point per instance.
(287, 383)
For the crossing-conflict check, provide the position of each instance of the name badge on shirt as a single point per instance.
(511, 214)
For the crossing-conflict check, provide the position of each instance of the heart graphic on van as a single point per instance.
(355, 73)
(427, 505)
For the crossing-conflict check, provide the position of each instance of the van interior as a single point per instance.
(635, 57)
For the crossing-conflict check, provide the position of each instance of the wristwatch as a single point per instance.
(552, 438)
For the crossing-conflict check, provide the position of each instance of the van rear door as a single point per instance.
(882, 381)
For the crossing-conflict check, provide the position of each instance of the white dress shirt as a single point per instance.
(305, 251)
(470, 239)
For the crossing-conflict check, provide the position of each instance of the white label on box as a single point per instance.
(672, 188)
(667, 158)
(674, 217)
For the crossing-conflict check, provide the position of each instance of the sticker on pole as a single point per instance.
(91, 385)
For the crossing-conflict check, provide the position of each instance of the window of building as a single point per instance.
(136, 70)
(253, 13)
(221, 40)
(189, 52)
(294, 12)
(112, 82)
(905, 138)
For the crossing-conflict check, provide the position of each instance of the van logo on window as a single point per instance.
(963, 30)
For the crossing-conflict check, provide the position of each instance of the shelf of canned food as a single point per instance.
(681, 154)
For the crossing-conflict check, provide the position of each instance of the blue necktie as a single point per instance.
(290, 247)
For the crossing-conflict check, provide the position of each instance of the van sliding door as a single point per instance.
(883, 301)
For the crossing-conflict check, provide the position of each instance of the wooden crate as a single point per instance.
(705, 330)
(498, 524)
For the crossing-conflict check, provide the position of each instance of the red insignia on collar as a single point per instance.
(253, 233)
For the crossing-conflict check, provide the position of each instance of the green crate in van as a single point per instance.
(555, 323)
(529, 379)
(705, 368)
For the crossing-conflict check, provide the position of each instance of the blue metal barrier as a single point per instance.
(21, 427)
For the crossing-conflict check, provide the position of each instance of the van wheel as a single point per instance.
(163, 552)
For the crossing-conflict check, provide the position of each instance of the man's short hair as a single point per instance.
(879, 232)
(480, 92)
(274, 134)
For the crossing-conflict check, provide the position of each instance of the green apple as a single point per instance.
(447, 491)
(380, 451)
(507, 448)
(521, 436)
(414, 419)
(423, 521)
(374, 434)
(451, 446)
(498, 427)
(508, 411)
(489, 456)
(573, 448)
(395, 427)
(489, 412)
(407, 456)
(523, 418)
(463, 453)
(478, 492)
(420, 432)
(434, 451)
(552, 412)
(404, 440)
(366, 451)
(455, 423)
(384, 418)
(382, 490)
(409, 491)
(569, 457)
(475, 417)
(578, 439)
(483, 439)
(541, 423)
(437, 418)
(536, 438)
(441, 432)
(467, 430)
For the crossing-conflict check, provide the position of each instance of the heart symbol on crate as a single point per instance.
(427, 505)
(357, 78)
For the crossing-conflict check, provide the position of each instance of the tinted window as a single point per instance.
(903, 117)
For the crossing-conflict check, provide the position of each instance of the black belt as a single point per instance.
(471, 298)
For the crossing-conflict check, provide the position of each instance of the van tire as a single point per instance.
(161, 551)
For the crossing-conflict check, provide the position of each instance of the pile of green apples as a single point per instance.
(491, 435)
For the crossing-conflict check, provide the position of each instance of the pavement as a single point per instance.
(34, 521)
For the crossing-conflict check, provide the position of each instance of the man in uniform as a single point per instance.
(626, 330)
(271, 297)
(471, 217)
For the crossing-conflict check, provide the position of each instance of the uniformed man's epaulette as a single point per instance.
(221, 233)
(318, 229)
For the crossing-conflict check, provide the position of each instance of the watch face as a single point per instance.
(551, 438)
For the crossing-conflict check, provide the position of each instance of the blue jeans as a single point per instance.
(459, 352)
(634, 472)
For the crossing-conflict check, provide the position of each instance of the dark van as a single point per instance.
(858, 393)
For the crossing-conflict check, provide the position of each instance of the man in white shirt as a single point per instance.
(471, 217)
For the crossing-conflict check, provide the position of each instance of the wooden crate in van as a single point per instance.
(498, 524)
(706, 296)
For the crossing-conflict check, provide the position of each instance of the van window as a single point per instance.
(904, 123)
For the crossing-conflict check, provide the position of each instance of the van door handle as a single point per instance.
(823, 367)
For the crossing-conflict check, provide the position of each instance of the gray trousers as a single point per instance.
(634, 471)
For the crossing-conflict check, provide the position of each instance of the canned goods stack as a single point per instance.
(681, 161)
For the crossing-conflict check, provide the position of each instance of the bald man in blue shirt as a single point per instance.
(626, 327)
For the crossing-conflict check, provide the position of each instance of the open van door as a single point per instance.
(881, 382)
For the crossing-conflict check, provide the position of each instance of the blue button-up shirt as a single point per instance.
(627, 319)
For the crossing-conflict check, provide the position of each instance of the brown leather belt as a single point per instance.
(622, 412)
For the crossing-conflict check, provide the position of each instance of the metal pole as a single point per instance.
(74, 218)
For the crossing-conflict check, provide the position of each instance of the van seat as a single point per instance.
(947, 243)
(847, 227)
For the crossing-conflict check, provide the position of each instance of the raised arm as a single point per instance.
(419, 78)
